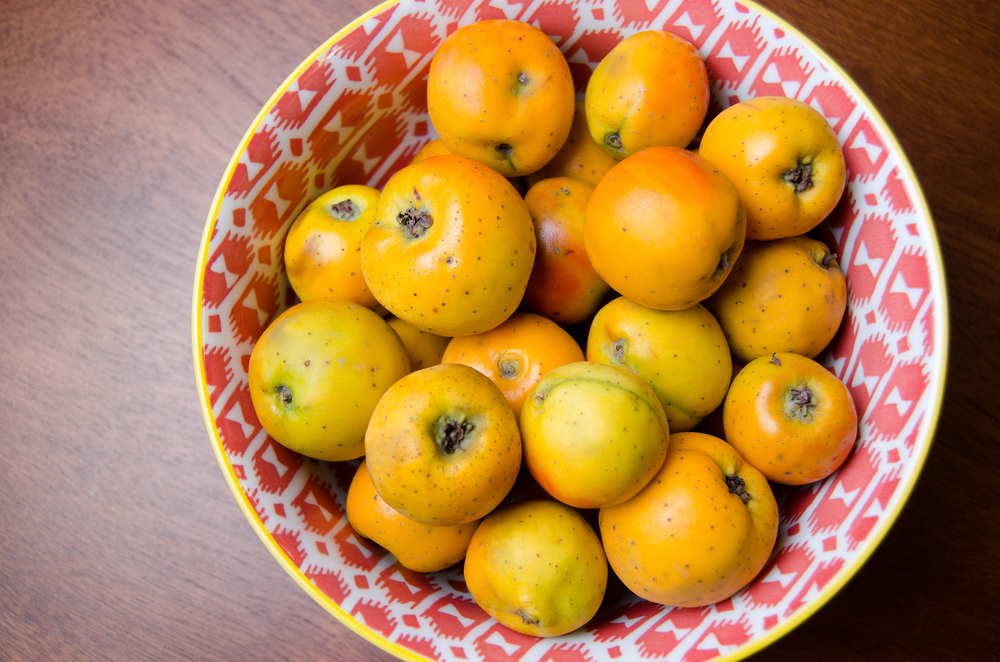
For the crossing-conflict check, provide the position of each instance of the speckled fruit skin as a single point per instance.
(463, 268)
(791, 418)
(323, 246)
(537, 567)
(419, 462)
(563, 286)
(516, 354)
(681, 354)
(317, 373)
(687, 540)
(420, 547)
(664, 228)
(593, 434)
(761, 144)
(500, 92)
(424, 349)
(787, 295)
(651, 89)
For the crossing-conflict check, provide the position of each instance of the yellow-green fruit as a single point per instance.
(317, 373)
(593, 434)
(682, 355)
(424, 348)
(537, 567)
(443, 446)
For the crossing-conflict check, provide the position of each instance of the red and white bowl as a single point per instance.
(355, 112)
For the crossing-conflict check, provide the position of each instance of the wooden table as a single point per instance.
(119, 539)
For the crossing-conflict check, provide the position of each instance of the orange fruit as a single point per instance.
(452, 247)
(516, 354)
(435, 147)
(563, 285)
(580, 157)
(323, 246)
(651, 89)
(501, 93)
(420, 547)
(786, 295)
(664, 228)
(443, 446)
(791, 418)
(699, 531)
(784, 159)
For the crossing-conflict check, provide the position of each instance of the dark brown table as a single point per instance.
(119, 539)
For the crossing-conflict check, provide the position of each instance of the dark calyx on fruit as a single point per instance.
(284, 394)
(800, 176)
(451, 433)
(509, 367)
(345, 210)
(614, 140)
(799, 403)
(736, 486)
(415, 222)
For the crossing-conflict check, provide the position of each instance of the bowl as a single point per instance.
(355, 112)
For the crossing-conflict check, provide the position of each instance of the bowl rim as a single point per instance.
(938, 361)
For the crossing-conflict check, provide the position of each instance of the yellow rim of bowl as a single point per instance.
(941, 332)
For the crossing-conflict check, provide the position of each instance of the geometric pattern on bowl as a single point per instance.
(355, 112)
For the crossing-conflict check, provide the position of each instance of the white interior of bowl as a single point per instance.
(354, 113)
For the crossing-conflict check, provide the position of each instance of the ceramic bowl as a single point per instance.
(355, 112)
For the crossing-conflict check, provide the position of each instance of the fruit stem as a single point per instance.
(415, 222)
(738, 487)
(614, 140)
(451, 433)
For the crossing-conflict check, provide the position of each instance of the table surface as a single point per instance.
(119, 538)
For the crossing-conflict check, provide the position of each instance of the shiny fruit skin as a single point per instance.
(424, 349)
(593, 434)
(791, 418)
(537, 567)
(452, 247)
(563, 285)
(687, 539)
(443, 446)
(419, 547)
(317, 373)
(323, 246)
(681, 354)
(664, 228)
(435, 147)
(501, 93)
(650, 90)
(516, 354)
(784, 159)
(580, 157)
(786, 295)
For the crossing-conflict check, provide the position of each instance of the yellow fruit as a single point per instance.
(537, 567)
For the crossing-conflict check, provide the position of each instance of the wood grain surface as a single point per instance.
(119, 538)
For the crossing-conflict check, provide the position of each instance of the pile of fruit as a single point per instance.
(432, 335)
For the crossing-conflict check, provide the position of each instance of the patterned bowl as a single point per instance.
(355, 112)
